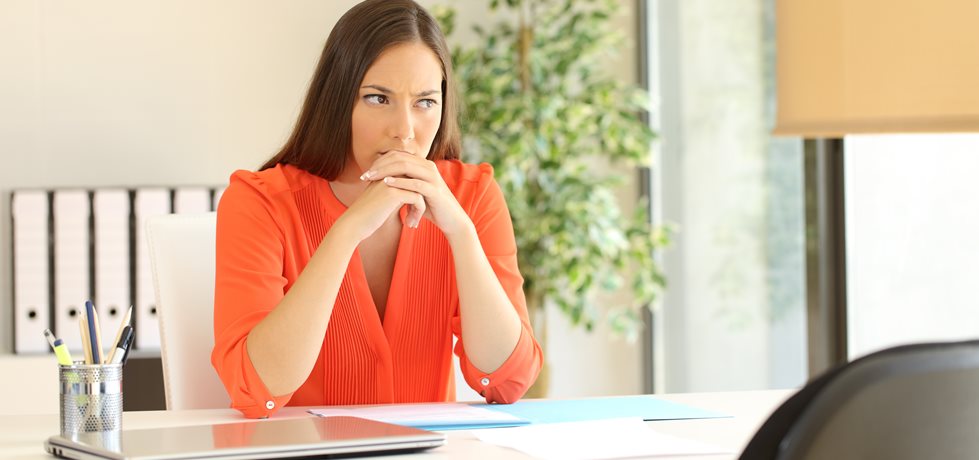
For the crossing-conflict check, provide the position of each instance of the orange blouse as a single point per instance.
(269, 225)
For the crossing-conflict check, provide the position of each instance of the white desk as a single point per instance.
(22, 436)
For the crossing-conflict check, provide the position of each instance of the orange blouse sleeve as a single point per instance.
(491, 218)
(248, 285)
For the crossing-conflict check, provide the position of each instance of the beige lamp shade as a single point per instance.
(877, 66)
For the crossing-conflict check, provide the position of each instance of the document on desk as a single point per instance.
(592, 440)
(646, 407)
(441, 416)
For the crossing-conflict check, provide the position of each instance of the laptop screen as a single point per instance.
(250, 439)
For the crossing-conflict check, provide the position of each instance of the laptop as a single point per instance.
(288, 438)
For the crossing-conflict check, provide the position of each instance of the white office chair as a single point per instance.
(181, 249)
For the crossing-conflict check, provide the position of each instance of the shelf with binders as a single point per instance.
(69, 245)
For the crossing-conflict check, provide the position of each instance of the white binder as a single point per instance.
(110, 208)
(32, 302)
(192, 200)
(217, 197)
(71, 264)
(148, 202)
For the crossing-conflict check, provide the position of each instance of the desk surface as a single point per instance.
(22, 436)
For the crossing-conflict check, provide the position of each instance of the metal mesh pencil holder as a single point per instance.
(91, 398)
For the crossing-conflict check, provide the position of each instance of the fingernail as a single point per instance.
(366, 175)
(388, 180)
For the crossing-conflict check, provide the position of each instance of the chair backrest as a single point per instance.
(907, 402)
(181, 248)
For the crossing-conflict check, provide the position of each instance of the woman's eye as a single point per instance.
(376, 99)
(427, 103)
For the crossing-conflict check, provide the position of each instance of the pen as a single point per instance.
(122, 326)
(50, 336)
(60, 350)
(129, 347)
(93, 332)
(122, 346)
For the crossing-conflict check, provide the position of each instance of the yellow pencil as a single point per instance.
(98, 338)
(86, 343)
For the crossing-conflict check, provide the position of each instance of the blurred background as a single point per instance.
(115, 94)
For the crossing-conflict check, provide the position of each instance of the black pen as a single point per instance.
(122, 347)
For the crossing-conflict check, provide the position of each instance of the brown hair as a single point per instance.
(321, 140)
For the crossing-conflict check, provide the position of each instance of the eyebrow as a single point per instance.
(389, 91)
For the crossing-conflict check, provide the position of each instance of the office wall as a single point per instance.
(177, 92)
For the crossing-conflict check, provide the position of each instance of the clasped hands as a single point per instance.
(399, 178)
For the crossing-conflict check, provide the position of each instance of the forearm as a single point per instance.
(490, 325)
(283, 347)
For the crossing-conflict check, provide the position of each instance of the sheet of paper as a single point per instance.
(647, 407)
(603, 439)
(429, 416)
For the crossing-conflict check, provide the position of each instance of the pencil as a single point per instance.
(97, 346)
(86, 343)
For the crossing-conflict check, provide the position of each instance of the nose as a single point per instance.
(403, 126)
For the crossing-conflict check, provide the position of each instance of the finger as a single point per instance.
(412, 185)
(404, 196)
(416, 211)
(415, 202)
(403, 166)
(384, 159)
(395, 156)
(426, 190)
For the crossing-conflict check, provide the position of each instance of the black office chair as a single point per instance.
(916, 401)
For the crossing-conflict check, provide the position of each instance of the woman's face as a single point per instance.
(399, 105)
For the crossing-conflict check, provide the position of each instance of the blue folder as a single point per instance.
(442, 425)
(570, 410)
(576, 410)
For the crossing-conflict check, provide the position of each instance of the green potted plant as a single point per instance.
(540, 107)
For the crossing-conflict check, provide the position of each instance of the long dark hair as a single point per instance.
(320, 142)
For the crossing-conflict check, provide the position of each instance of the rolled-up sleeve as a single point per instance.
(510, 381)
(248, 284)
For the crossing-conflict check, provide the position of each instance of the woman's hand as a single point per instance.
(375, 205)
(409, 173)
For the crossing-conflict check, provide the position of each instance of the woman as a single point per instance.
(346, 264)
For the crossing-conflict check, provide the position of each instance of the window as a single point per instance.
(912, 236)
(733, 316)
